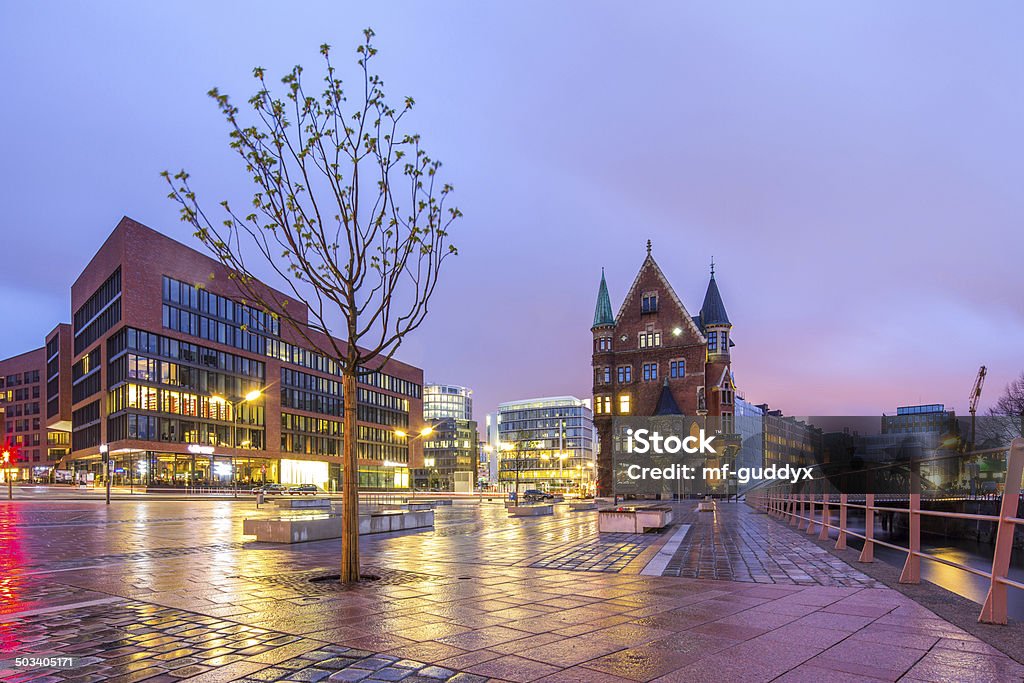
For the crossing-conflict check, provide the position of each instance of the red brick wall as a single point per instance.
(145, 256)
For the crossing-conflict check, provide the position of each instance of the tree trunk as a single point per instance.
(350, 484)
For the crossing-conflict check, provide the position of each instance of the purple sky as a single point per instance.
(856, 172)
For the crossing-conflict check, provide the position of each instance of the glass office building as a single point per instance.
(546, 443)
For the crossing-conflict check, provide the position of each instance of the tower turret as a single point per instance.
(714, 321)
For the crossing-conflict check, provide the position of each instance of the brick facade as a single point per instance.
(654, 329)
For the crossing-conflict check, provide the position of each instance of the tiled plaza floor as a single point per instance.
(167, 591)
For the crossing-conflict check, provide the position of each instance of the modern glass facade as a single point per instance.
(447, 400)
(546, 443)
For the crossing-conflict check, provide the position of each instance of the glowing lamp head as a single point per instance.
(426, 431)
(253, 395)
(400, 434)
(677, 331)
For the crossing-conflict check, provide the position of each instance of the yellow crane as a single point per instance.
(979, 382)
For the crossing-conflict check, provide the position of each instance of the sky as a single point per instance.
(854, 169)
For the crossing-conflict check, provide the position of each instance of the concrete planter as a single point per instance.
(634, 519)
(326, 526)
(302, 503)
(530, 510)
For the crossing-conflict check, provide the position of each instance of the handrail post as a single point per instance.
(841, 541)
(867, 553)
(826, 515)
(810, 513)
(792, 508)
(994, 609)
(801, 521)
(912, 567)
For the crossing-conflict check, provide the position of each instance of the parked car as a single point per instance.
(267, 489)
(536, 496)
(304, 489)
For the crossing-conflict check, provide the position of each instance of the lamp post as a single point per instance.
(402, 434)
(7, 467)
(248, 398)
(105, 453)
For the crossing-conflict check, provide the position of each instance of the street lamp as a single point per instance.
(105, 454)
(251, 396)
(424, 432)
(7, 466)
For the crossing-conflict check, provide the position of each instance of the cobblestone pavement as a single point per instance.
(166, 591)
(758, 549)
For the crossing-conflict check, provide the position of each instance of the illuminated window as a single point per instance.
(650, 339)
(623, 404)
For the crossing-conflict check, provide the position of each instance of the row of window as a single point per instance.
(296, 355)
(133, 367)
(23, 425)
(185, 352)
(213, 330)
(603, 405)
(19, 409)
(198, 299)
(16, 380)
(86, 387)
(88, 363)
(624, 373)
(99, 300)
(110, 316)
(20, 394)
(140, 397)
(155, 428)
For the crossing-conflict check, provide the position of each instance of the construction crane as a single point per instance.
(979, 382)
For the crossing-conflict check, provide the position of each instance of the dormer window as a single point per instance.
(649, 303)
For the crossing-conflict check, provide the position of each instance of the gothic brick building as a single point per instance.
(654, 358)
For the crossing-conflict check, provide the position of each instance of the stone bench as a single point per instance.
(530, 510)
(319, 527)
(429, 501)
(635, 519)
(302, 503)
(578, 505)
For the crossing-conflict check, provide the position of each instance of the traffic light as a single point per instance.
(6, 457)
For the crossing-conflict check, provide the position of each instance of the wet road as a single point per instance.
(149, 589)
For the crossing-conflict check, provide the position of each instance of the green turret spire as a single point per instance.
(603, 311)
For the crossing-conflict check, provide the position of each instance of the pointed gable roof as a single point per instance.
(650, 263)
(603, 311)
(713, 310)
(666, 402)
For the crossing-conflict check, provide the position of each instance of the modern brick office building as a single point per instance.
(654, 358)
(187, 385)
(23, 399)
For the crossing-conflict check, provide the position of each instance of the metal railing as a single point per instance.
(812, 512)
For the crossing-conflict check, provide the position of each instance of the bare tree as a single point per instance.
(517, 456)
(1005, 420)
(349, 211)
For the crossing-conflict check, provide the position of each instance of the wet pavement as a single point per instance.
(170, 590)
